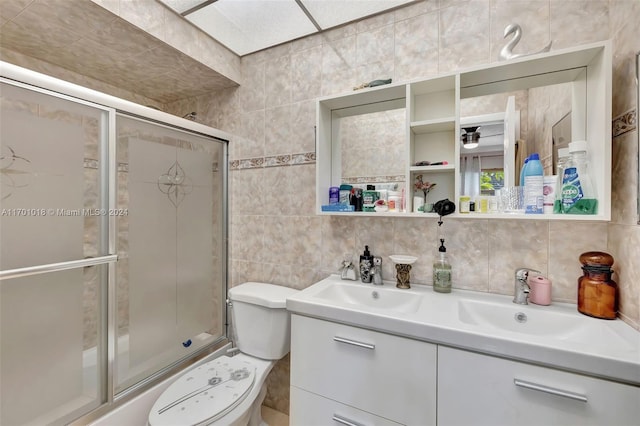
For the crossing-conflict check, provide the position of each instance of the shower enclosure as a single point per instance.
(113, 247)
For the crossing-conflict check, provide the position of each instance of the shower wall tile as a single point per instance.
(533, 18)
(585, 21)
(243, 271)
(303, 119)
(277, 192)
(338, 240)
(278, 81)
(624, 16)
(306, 76)
(247, 193)
(278, 274)
(154, 20)
(416, 9)
(516, 244)
(464, 35)
(375, 45)
(252, 130)
(624, 246)
(468, 248)
(252, 88)
(415, 237)
(416, 46)
(625, 171)
(567, 241)
(278, 130)
(305, 241)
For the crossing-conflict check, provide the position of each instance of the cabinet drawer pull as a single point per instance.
(552, 391)
(354, 343)
(344, 421)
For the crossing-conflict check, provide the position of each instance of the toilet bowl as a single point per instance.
(230, 390)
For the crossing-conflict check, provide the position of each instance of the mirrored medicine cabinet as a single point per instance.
(388, 136)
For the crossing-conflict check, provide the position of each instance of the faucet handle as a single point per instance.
(523, 273)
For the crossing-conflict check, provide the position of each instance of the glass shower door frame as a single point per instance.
(106, 245)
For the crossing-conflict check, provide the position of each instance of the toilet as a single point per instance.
(230, 390)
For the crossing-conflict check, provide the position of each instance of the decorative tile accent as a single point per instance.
(273, 161)
(90, 163)
(277, 160)
(624, 123)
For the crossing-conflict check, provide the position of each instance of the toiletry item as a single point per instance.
(597, 292)
(395, 201)
(337, 208)
(376, 271)
(522, 170)
(356, 199)
(366, 263)
(442, 271)
(563, 159)
(465, 204)
(334, 195)
(369, 198)
(549, 185)
(345, 194)
(418, 204)
(493, 204)
(540, 289)
(578, 194)
(348, 269)
(533, 186)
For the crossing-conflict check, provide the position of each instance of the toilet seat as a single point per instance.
(205, 393)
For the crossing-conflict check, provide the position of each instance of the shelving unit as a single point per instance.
(433, 123)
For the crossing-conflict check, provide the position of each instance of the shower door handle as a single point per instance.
(54, 267)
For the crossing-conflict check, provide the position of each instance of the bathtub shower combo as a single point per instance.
(113, 247)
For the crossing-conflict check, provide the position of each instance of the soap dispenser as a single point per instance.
(442, 271)
(366, 263)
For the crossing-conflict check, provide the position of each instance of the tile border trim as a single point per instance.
(624, 123)
(273, 161)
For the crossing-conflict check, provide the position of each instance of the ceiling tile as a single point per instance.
(331, 13)
(246, 26)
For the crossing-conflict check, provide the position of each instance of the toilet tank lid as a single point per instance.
(263, 294)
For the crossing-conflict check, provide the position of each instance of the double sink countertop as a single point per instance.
(556, 336)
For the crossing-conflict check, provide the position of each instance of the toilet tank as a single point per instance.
(261, 320)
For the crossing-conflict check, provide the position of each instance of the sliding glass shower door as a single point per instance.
(171, 262)
(113, 233)
(53, 256)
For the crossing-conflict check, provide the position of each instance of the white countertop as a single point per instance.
(556, 335)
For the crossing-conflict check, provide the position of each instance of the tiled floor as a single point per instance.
(273, 417)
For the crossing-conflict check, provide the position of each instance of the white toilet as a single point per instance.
(230, 390)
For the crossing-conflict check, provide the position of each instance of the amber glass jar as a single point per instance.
(597, 292)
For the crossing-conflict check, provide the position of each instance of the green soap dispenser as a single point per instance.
(442, 271)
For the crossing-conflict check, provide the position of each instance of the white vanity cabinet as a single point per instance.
(485, 390)
(353, 376)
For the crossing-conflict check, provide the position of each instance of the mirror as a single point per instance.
(369, 144)
(512, 126)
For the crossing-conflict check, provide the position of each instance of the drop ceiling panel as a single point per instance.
(331, 13)
(246, 26)
(250, 25)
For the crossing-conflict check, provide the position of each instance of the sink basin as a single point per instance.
(520, 318)
(371, 297)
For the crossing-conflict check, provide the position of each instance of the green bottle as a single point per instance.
(442, 271)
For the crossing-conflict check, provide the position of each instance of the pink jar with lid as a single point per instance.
(540, 292)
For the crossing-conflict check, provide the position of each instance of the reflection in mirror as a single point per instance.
(369, 144)
(513, 125)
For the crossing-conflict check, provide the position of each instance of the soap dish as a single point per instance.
(401, 259)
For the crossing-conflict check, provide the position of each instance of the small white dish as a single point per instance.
(402, 259)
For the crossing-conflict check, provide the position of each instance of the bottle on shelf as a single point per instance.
(578, 193)
(533, 185)
(563, 158)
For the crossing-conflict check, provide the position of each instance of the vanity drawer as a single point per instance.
(390, 376)
(485, 390)
(308, 409)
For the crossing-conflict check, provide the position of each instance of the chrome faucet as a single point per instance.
(521, 291)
